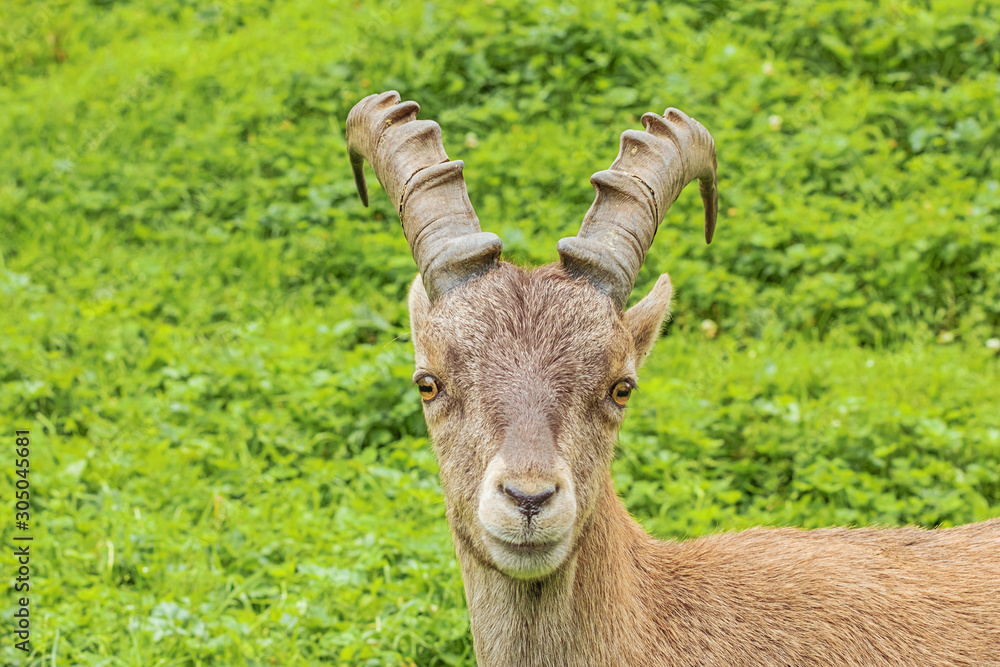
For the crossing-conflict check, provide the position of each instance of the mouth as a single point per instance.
(523, 547)
(526, 560)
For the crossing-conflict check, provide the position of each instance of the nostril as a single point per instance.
(529, 504)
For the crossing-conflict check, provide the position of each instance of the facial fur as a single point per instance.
(525, 363)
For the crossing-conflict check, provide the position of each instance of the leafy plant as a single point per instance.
(205, 332)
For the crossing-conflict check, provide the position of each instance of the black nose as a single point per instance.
(529, 504)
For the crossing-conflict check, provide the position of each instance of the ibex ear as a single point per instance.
(420, 305)
(643, 320)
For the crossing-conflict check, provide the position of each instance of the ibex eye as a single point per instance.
(429, 387)
(621, 392)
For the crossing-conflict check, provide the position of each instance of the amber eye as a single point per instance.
(621, 392)
(429, 387)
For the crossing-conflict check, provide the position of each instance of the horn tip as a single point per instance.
(362, 186)
(358, 167)
(710, 199)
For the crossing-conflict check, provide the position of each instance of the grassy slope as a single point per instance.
(202, 327)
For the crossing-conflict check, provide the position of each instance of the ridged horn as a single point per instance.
(648, 175)
(426, 189)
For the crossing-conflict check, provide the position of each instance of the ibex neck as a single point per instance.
(585, 612)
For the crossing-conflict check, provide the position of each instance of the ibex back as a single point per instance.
(525, 376)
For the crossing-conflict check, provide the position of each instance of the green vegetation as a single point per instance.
(205, 332)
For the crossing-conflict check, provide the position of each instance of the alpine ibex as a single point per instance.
(524, 376)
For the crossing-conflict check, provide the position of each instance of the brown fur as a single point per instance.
(525, 361)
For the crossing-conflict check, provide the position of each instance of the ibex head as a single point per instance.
(525, 375)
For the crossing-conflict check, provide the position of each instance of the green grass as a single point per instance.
(206, 333)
